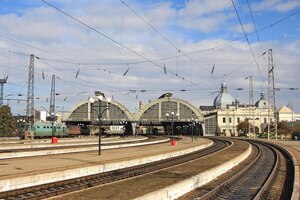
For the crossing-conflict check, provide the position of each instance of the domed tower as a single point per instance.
(223, 99)
(262, 103)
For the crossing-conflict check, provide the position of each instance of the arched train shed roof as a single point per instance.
(156, 110)
(85, 111)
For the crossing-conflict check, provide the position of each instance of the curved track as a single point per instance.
(54, 189)
(266, 174)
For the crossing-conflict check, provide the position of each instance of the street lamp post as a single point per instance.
(100, 113)
(196, 127)
(192, 125)
(124, 128)
(172, 120)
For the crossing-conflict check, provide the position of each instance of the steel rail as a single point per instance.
(269, 185)
(233, 178)
(271, 177)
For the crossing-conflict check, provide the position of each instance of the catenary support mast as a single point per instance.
(30, 91)
(272, 119)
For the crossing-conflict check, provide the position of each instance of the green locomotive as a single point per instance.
(43, 130)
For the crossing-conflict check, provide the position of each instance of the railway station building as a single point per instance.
(165, 115)
(226, 113)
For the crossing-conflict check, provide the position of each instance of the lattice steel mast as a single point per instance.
(30, 90)
(251, 128)
(52, 98)
(272, 124)
(2, 82)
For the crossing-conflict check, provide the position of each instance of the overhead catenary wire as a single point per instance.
(155, 60)
(241, 24)
(114, 41)
(256, 32)
(254, 24)
(94, 85)
(164, 37)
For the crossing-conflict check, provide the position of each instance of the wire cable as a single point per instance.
(114, 41)
(164, 37)
(248, 42)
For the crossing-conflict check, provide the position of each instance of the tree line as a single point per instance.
(7, 122)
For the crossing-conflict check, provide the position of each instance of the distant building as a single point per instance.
(40, 116)
(285, 114)
(226, 113)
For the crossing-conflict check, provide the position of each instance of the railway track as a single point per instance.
(266, 174)
(62, 187)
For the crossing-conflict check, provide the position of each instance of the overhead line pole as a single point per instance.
(2, 82)
(30, 91)
(272, 124)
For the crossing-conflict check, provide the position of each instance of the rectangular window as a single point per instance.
(238, 120)
(229, 119)
(265, 120)
(224, 120)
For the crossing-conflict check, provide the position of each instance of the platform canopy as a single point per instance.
(155, 111)
(88, 112)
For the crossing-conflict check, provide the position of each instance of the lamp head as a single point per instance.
(167, 115)
(108, 100)
(177, 114)
(100, 97)
(91, 100)
(97, 93)
(172, 113)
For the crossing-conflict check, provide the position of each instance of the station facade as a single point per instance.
(226, 113)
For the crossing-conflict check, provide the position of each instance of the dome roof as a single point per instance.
(223, 99)
(262, 103)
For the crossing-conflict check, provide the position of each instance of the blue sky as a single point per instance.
(65, 46)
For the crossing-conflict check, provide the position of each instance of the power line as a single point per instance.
(114, 41)
(33, 46)
(155, 60)
(248, 41)
(164, 37)
(256, 33)
(252, 18)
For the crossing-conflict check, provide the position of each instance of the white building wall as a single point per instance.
(229, 118)
(43, 115)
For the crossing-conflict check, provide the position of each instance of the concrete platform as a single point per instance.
(68, 143)
(75, 148)
(25, 172)
(48, 140)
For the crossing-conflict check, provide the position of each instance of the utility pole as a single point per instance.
(52, 103)
(272, 124)
(2, 82)
(30, 91)
(251, 125)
